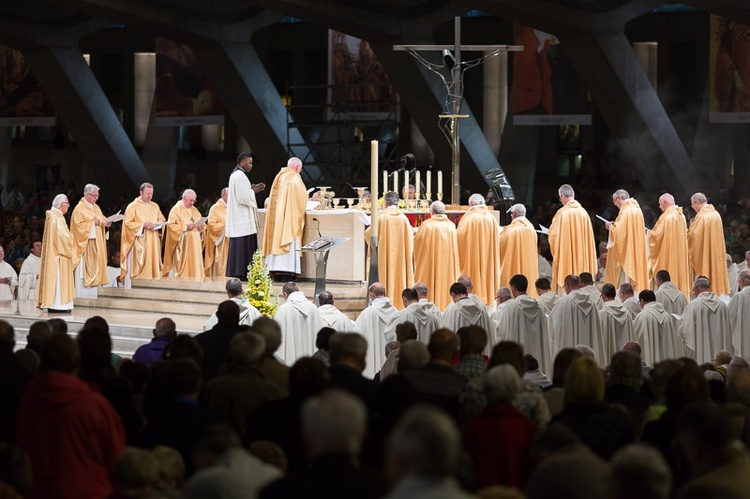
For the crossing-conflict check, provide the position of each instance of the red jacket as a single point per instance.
(72, 434)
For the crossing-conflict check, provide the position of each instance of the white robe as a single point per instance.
(335, 318)
(671, 298)
(574, 321)
(739, 318)
(547, 301)
(300, 322)
(248, 314)
(467, 312)
(372, 323)
(29, 278)
(6, 290)
(705, 327)
(595, 294)
(656, 332)
(424, 315)
(733, 273)
(545, 269)
(522, 320)
(616, 329)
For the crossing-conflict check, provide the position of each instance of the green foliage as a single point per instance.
(259, 287)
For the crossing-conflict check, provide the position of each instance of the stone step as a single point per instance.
(165, 307)
(158, 294)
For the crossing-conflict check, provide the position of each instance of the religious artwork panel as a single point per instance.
(22, 101)
(729, 70)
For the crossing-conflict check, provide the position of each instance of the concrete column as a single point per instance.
(419, 146)
(495, 99)
(145, 83)
(160, 156)
(647, 55)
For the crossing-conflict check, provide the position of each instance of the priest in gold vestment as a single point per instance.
(626, 258)
(183, 257)
(518, 247)
(706, 245)
(285, 221)
(668, 246)
(140, 243)
(87, 224)
(217, 244)
(395, 250)
(571, 239)
(479, 248)
(436, 255)
(56, 290)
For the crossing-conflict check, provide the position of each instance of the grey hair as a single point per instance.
(621, 194)
(566, 190)
(413, 354)
(89, 188)
(224, 191)
(391, 198)
(334, 421)
(234, 287)
(347, 344)
(640, 471)
(501, 383)
(437, 208)
(290, 287)
(294, 161)
(59, 199)
(667, 197)
(427, 440)
(745, 276)
(421, 289)
(145, 185)
(518, 209)
(246, 348)
(188, 192)
(698, 197)
(505, 293)
(270, 330)
(585, 350)
(702, 283)
(476, 199)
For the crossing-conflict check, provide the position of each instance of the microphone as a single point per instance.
(319, 234)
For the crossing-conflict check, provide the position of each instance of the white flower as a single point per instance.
(261, 293)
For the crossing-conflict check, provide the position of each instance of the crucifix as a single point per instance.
(454, 87)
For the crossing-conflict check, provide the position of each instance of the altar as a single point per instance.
(346, 262)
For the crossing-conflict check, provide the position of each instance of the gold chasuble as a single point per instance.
(56, 267)
(395, 253)
(183, 247)
(518, 247)
(627, 247)
(90, 242)
(479, 251)
(668, 249)
(436, 258)
(571, 242)
(144, 244)
(217, 244)
(707, 249)
(285, 219)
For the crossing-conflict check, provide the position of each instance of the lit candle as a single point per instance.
(429, 183)
(374, 186)
(385, 182)
(417, 186)
(395, 182)
(440, 182)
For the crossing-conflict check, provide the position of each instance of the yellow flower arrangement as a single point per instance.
(259, 291)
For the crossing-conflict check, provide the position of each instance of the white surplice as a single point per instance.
(372, 323)
(705, 327)
(615, 329)
(655, 331)
(523, 320)
(300, 322)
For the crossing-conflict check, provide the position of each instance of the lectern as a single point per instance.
(320, 248)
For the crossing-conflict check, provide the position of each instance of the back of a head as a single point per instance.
(520, 282)
(563, 360)
(625, 369)
(96, 348)
(184, 376)
(289, 288)
(246, 348)
(640, 471)
(702, 284)
(508, 352)
(136, 472)
(270, 330)
(663, 276)
(647, 296)
(706, 427)
(308, 377)
(97, 322)
(476, 199)
(406, 331)
(621, 194)
(57, 325)
(566, 190)
(325, 298)
(685, 386)
(214, 440)
(344, 345)
(584, 382)
(377, 290)
(609, 291)
(323, 338)
(586, 278)
(421, 289)
(184, 346)
(171, 465)
(627, 289)
(39, 332)
(501, 383)
(412, 355)
(458, 289)
(425, 442)
(165, 327)
(466, 281)
(542, 284)
(59, 352)
(437, 208)
(572, 281)
(334, 422)
(7, 334)
(443, 345)
(228, 312)
(531, 363)
(234, 287)
(390, 198)
(473, 339)
(410, 295)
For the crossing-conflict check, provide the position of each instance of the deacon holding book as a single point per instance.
(88, 224)
(183, 256)
(140, 243)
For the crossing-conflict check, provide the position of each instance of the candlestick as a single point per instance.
(416, 186)
(374, 186)
(429, 182)
(385, 182)
(440, 182)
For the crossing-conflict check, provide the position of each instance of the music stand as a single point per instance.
(321, 262)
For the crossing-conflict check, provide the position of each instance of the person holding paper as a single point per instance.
(28, 277)
(668, 247)
(436, 255)
(518, 249)
(395, 249)
(56, 288)
(571, 239)
(242, 217)
(706, 245)
(626, 258)
(217, 244)
(183, 256)
(140, 244)
(87, 224)
(285, 222)
(479, 248)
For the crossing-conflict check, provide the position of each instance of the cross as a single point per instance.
(454, 64)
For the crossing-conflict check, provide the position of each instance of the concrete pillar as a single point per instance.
(144, 85)
(495, 99)
(419, 146)
(647, 55)
(160, 156)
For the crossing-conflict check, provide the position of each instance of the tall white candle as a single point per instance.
(417, 186)
(374, 186)
(440, 182)
(395, 182)
(385, 182)
(429, 183)
(406, 185)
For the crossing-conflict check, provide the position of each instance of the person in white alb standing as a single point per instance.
(242, 217)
